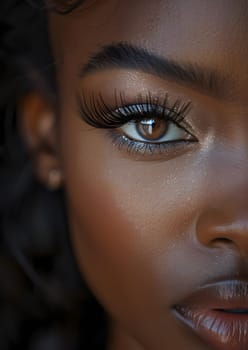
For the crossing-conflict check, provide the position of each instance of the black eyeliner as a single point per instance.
(97, 113)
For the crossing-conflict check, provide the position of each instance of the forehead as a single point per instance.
(211, 33)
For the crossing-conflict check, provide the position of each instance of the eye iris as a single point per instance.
(152, 129)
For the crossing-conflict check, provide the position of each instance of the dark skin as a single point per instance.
(149, 228)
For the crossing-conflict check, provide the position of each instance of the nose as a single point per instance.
(216, 229)
(223, 219)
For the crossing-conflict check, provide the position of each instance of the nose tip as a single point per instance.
(217, 231)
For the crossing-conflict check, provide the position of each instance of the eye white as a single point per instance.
(173, 133)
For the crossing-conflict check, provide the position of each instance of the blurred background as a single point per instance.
(44, 303)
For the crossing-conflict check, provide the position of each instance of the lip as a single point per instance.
(218, 314)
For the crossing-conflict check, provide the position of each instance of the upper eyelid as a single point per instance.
(142, 111)
(97, 113)
(179, 119)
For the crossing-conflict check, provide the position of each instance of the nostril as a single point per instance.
(225, 232)
(222, 241)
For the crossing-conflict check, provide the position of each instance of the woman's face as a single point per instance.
(158, 207)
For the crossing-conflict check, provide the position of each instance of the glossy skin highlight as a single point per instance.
(148, 231)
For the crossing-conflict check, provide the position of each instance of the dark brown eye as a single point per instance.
(152, 129)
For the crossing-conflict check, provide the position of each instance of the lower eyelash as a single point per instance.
(142, 149)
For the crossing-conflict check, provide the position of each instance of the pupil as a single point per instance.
(152, 129)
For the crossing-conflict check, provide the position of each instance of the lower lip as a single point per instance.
(221, 330)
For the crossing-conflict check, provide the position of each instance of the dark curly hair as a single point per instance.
(44, 302)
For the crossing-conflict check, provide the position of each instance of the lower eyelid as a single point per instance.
(147, 151)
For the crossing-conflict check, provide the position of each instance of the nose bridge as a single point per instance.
(223, 220)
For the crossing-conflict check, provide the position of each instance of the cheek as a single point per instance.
(124, 222)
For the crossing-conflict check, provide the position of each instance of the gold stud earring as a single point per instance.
(54, 179)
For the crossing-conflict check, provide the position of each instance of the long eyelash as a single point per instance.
(98, 114)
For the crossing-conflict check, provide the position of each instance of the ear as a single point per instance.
(38, 129)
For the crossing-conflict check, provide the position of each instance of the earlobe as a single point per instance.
(37, 122)
(54, 179)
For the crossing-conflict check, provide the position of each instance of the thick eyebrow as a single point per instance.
(126, 56)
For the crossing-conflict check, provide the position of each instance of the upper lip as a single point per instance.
(218, 313)
(231, 294)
